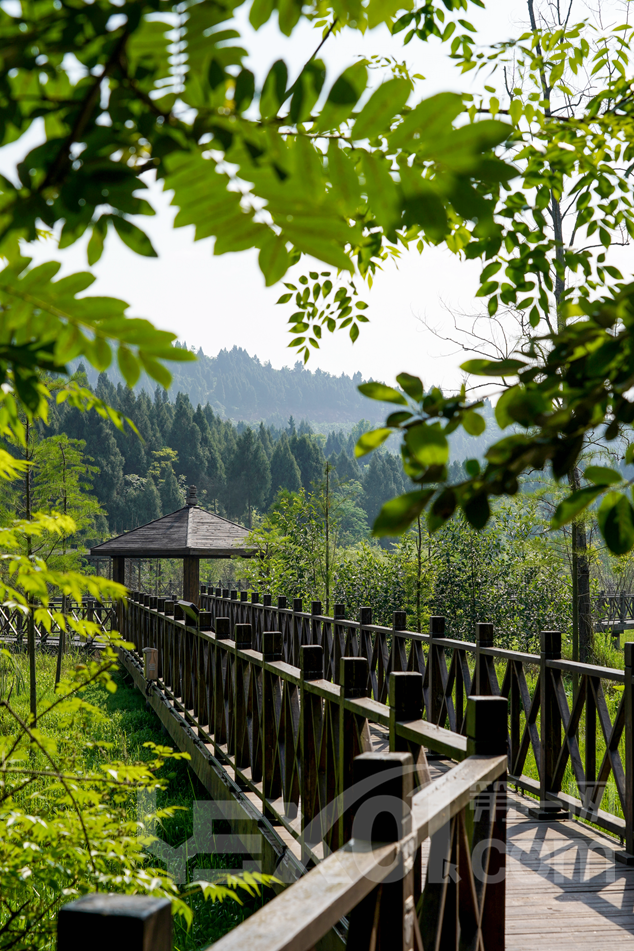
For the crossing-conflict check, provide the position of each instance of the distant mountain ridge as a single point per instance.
(239, 386)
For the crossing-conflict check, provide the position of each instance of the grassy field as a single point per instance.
(121, 729)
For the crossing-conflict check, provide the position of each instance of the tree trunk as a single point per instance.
(582, 613)
(30, 621)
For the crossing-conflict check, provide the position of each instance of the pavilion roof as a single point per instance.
(188, 531)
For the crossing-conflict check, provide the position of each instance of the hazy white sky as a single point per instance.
(218, 302)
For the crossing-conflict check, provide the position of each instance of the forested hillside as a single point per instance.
(239, 387)
(238, 469)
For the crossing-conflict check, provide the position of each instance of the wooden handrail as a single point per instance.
(371, 885)
(305, 912)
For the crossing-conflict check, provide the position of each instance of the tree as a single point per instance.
(170, 493)
(265, 439)
(56, 479)
(347, 469)
(285, 472)
(248, 477)
(148, 502)
(185, 439)
(378, 485)
(309, 458)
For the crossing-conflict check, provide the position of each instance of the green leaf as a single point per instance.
(155, 370)
(428, 444)
(260, 12)
(382, 11)
(428, 119)
(442, 510)
(343, 97)
(371, 440)
(289, 12)
(477, 510)
(133, 237)
(493, 367)
(129, 366)
(383, 196)
(379, 391)
(318, 245)
(412, 385)
(398, 514)
(274, 260)
(346, 190)
(380, 109)
(474, 424)
(395, 419)
(95, 244)
(616, 521)
(572, 505)
(274, 89)
(602, 475)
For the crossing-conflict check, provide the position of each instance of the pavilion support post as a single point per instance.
(118, 574)
(118, 569)
(191, 579)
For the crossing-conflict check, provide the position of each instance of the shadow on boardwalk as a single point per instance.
(564, 887)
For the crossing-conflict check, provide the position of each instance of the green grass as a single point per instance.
(125, 725)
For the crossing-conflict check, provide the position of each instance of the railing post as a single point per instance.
(354, 736)
(310, 731)
(125, 922)
(627, 857)
(399, 654)
(487, 735)
(484, 667)
(434, 677)
(243, 637)
(315, 625)
(365, 648)
(271, 772)
(296, 640)
(406, 706)
(222, 633)
(386, 918)
(550, 729)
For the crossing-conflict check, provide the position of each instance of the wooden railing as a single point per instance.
(371, 888)
(613, 610)
(566, 721)
(373, 882)
(13, 626)
(287, 730)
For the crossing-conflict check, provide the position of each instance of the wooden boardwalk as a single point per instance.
(564, 888)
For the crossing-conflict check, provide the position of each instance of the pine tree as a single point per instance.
(310, 460)
(347, 469)
(265, 438)
(148, 503)
(285, 472)
(185, 438)
(249, 477)
(170, 493)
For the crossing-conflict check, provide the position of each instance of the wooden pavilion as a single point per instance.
(190, 533)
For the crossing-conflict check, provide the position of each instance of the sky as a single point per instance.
(221, 302)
